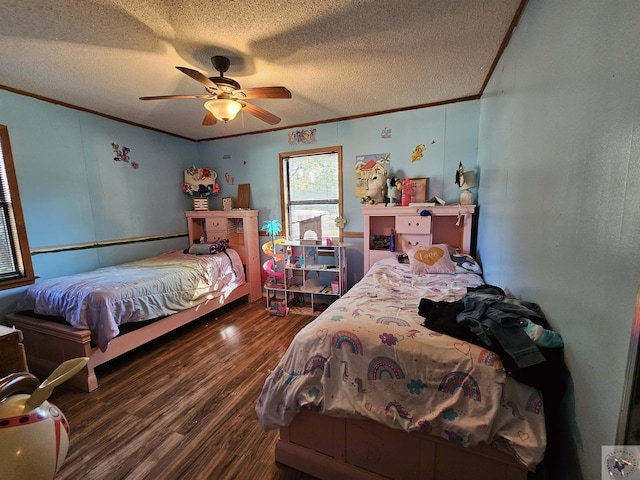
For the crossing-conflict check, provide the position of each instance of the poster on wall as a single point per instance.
(369, 169)
(302, 135)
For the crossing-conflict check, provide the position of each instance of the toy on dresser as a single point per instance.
(394, 189)
(376, 190)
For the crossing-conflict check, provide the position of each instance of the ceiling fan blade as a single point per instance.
(198, 77)
(260, 113)
(169, 97)
(265, 92)
(209, 119)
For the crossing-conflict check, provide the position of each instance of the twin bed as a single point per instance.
(366, 391)
(110, 311)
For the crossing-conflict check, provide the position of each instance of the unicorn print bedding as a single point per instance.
(369, 356)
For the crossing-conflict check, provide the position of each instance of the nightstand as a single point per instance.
(12, 356)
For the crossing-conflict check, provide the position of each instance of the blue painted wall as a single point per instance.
(559, 159)
(73, 191)
(450, 134)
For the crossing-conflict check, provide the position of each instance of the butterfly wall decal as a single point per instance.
(123, 155)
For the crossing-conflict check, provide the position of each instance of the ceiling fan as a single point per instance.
(225, 97)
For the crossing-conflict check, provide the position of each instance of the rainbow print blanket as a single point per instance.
(369, 356)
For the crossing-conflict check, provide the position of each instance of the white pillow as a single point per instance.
(431, 259)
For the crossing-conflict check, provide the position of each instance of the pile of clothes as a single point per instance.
(516, 330)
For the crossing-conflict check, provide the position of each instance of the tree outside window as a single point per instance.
(311, 193)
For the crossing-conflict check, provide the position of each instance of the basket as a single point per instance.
(200, 203)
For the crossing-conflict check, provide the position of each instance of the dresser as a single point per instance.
(413, 227)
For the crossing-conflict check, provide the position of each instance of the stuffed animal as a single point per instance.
(465, 263)
(376, 188)
(394, 184)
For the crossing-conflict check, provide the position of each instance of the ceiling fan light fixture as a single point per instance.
(224, 109)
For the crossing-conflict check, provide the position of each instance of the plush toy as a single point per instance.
(376, 188)
(394, 184)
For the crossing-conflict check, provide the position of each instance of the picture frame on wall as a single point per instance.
(419, 190)
(227, 203)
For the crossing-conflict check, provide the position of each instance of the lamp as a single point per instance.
(468, 181)
(224, 109)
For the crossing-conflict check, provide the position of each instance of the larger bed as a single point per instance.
(110, 311)
(366, 391)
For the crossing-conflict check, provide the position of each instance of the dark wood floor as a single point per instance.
(182, 407)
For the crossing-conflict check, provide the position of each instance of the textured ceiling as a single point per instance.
(339, 58)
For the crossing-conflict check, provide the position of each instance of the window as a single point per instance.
(311, 193)
(16, 269)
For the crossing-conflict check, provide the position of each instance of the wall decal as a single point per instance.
(123, 155)
(302, 135)
(417, 153)
(228, 178)
(386, 132)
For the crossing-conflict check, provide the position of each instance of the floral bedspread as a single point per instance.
(367, 355)
(155, 287)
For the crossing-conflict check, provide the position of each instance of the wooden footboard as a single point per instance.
(48, 344)
(329, 447)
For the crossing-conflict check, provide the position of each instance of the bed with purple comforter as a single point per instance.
(104, 299)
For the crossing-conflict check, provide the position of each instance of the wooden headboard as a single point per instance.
(240, 227)
(450, 224)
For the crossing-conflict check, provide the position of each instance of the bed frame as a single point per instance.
(330, 447)
(48, 344)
